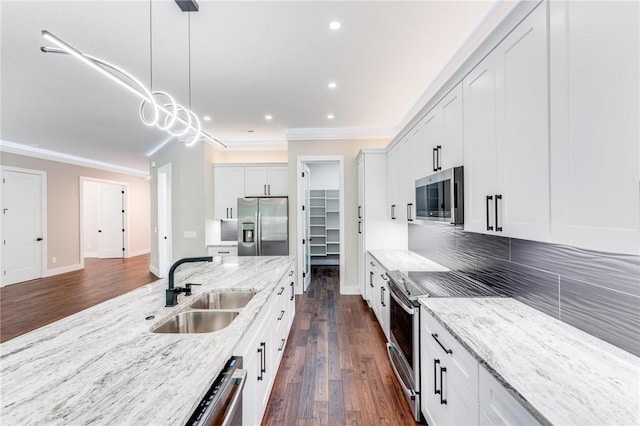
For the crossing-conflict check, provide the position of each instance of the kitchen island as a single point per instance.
(104, 365)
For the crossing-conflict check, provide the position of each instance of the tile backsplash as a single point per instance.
(593, 291)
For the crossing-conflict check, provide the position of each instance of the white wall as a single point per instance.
(324, 175)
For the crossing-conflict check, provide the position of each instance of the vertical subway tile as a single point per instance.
(607, 314)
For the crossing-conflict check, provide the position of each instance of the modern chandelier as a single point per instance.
(157, 108)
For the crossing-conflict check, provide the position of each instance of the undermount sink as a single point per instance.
(196, 322)
(223, 300)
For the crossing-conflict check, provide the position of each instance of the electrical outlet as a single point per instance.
(54, 260)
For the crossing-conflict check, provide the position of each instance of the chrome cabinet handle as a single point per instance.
(439, 163)
(489, 198)
(410, 212)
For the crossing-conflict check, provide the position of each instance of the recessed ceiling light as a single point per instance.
(332, 85)
(335, 25)
(330, 116)
(268, 117)
(206, 118)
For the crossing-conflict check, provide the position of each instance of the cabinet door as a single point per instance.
(595, 130)
(375, 186)
(255, 181)
(479, 103)
(278, 181)
(522, 111)
(370, 281)
(430, 363)
(498, 406)
(432, 130)
(450, 110)
(416, 164)
(228, 185)
(393, 168)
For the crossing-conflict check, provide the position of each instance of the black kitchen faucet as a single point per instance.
(171, 292)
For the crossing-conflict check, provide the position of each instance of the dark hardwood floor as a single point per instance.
(335, 369)
(33, 304)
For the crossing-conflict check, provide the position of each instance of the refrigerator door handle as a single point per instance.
(259, 234)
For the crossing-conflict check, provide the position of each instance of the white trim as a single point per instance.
(154, 270)
(139, 252)
(63, 270)
(44, 213)
(300, 214)
(338, 133)
(350, 290)
(264, 145)
(45, 154)
(91, 255)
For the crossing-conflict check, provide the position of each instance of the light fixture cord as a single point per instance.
(189, 15)
(150, 50)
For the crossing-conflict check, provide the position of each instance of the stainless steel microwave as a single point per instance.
(440, 196)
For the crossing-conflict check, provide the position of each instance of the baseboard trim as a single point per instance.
(91, 255)
(63, 270)
(350, 290)
(139, 252)
(154, 270)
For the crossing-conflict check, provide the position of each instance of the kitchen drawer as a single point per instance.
(223, 250)
(464, 367)
(498, 406)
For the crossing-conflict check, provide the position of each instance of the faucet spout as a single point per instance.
(172, 292)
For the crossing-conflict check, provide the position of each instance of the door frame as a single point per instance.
(43, 215)
(300, 162)
(163, 269)
(125, 205)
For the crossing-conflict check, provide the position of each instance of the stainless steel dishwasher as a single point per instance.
(222, 405)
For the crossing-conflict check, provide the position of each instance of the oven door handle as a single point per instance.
(408, 391)
(404, 307)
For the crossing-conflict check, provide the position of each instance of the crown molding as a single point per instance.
(322, 133)
(45, 154)
(257, 145)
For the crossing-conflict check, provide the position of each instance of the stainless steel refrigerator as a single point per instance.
(263, 226)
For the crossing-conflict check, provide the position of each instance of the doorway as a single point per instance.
(103, 222)
(320, 216)
(24, 197)
(164, 220)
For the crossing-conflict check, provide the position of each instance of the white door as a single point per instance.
(111, 225)
(22, 224)
(307, 222)
(164, 220)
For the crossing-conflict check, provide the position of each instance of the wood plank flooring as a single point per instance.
(33, 304)
(335, 369)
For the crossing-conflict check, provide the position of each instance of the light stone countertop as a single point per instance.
(405, 260)
(104, 366)
(555, 370)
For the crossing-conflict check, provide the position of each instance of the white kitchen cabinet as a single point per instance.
(401, 185)
(228, 184)
(449, 376)
(263, 345)
(266, 181)
(442, 134)
(498, 406)
(371, 269)
(595, 105)
(506, 136)
(383, 288)
(372, 209)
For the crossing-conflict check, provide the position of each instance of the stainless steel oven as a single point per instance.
(404, 345)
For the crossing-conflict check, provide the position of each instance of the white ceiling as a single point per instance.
(248, 59)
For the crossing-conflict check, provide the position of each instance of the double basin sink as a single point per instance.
(210, 312)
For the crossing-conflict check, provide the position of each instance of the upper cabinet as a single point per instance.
(506, 135)
(401, 181)
(595, 166)
(442, 134)
(228, 184)
(266, 181)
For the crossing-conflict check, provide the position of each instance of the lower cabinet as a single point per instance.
(379, 293)
(497, 406)
(262, 347)
(455, 389)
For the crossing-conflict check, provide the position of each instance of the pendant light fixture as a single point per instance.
(157, 108)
